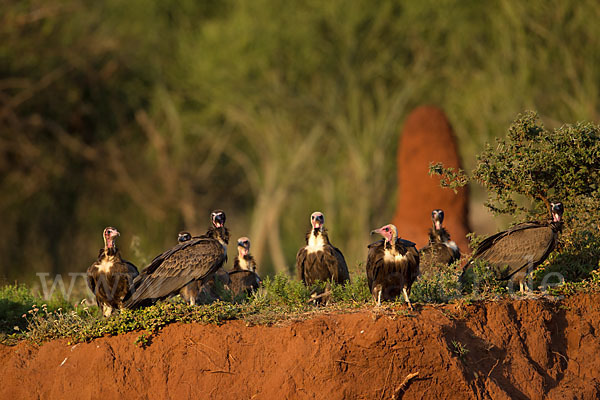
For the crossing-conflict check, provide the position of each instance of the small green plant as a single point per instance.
(459, 349)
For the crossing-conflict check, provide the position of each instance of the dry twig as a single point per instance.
(402, 387)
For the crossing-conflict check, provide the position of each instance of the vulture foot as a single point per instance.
(407, 300)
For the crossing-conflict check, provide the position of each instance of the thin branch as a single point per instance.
(404, 385)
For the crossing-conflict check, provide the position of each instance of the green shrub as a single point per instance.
(482, 280)
(533, 167)
(438, 284)
(355, 292)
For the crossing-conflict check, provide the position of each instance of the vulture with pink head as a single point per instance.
(110, 278)
(392, 265)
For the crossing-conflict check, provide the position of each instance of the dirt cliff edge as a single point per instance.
(506, 349)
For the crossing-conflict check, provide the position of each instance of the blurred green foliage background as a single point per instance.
(147, 114)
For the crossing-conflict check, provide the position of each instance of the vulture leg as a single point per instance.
(406, 298)
(523, 286)
(107, 310)
(379, 298)
(193, 301)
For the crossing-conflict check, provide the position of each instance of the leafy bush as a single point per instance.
(438, 284)
(578, 256)
(355, 292)
(482, 280)
(533, 167)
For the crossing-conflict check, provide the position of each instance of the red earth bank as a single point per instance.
(513, 349)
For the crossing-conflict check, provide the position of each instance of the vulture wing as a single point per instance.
(91, 278)
(300, 263)
(243, 281)
(175, 268)
(523, 245)
(374, 262)
(341, 275)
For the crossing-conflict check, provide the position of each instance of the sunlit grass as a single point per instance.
(280, 299)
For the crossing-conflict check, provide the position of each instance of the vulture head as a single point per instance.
(389, 232)
(110, 234)
(183, 236)
(243, 246)
(437, 217)
(218, 218)
(317, 219)
(556, 209)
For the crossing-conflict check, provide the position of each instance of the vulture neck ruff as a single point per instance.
(243, 262)
(392, 255)
(315, 242)
(106, 264)
(452, 245)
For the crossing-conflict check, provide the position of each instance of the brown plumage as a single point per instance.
(243, 276)
(392, 265)
(110, 278)
(440, 250)
(204, 291)
(319, 260)
(192, 260)
(515, 252)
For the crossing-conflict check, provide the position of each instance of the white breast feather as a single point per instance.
(315, 244)
(106, 265)
(243, 263)
(452, 245)
(392, 256)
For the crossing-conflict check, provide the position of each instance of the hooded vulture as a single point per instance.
(392, 265)
(243, 275)
(192, 260)
(319, 260)
(515, 252)
(110, 278)
(440, 250)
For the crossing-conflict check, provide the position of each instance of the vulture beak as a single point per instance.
(218, 218)
(437, 216)
(557, 211)
(317, 219)
(389, 232)
(110, 234)
(243, 246)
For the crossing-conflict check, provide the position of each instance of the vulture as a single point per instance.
(191, 260)
(440, 250)
(201, 291)
(183, 236)
(110, 278)
(319, 260)
(243, 275)
(521, 248)
(392, 265)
